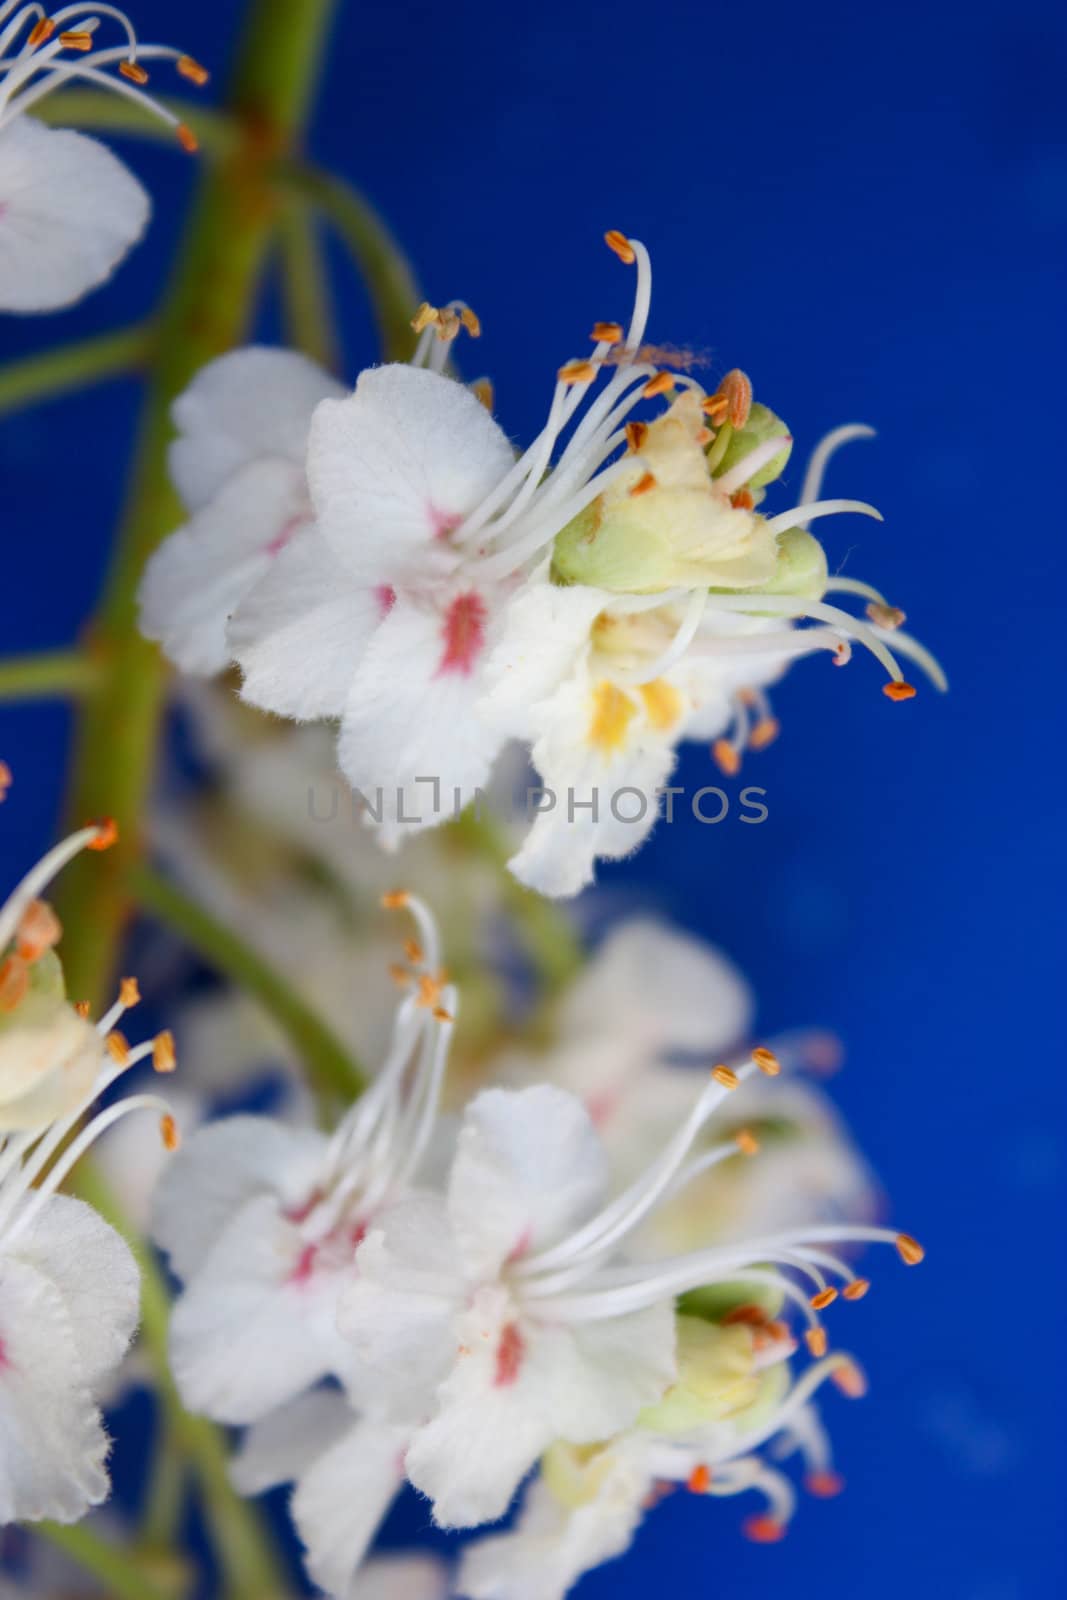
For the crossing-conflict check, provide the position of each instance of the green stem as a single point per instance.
(121, 1575)
(331, 1069)
(52, 674)
(387, 274)
(92, 110)
(241, 1539)
(306, 296)
(205, 311)
(73, 366)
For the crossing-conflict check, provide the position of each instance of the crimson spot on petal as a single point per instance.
(509, 1355)
(463, 633)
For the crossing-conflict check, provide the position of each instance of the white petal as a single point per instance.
(284, 1444)
(397, 464)
(95, 1276)
(199, 575)
(402, 1577)
(257, 1323)
(220, 1168)
(340, 1501)
(668, 989)
(546, 629)
(52, 1443)
(411, 715)
(398, 1310)
(246, 404)
(529, 1167)
(69, 211)
(299, 634)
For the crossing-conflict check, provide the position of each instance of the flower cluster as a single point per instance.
(456, 1307)
(384, 559)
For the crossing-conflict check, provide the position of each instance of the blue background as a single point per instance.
(866, 207)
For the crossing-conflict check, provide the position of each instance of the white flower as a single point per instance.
(69, 209)
(238, 464)
(261, 1221)
(509, 1295)
(68, 1284)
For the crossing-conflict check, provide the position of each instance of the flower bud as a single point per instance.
(732, 445)
(717, 1377)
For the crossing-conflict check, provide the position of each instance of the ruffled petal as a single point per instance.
(396, 465)
(412, 714)
(247, 404)
(340, 1501)
(529, 1167)
(299, 634)
(69, 212)
(198, 577)
(285, 1443)
(222, 1167)
(545, 631)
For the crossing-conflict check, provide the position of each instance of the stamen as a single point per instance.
(576, 372)
(193, 71)
(897, 689)
(129, 993)
(107, 833)
(77, 39)
(118, 1048)
(136, 74)
(168, 1130)
(471, 321)
(910, 1250)
(621, 245)
(815, 1339)
(856, 1289)
(83, 1009)
(7, 778)
(736, 390)
(427, 316)
(636, 434)
(14, 983)
(763, 733)
(824, 1298)
(606, 332)
(395, 899)
(662, 383)
(699, 1479)
(766, 1061)
(38, 931)
(742, 500)
(746, 1142)
(763, 1529)
(725, 1076)
(187, 138)
(643, 485)
(849, 1379)
(824, 1485)
(40, 32)
(727, 758)
(164, 1057)
(884, 616)
(414, 952)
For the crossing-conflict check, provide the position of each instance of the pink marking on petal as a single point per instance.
(305, 1264)
(520, 1247)
(509, 1356)
(602, 1107)
(463, 633)
(286, 532)
(385, 595)
(5, 1359)
(443, 523)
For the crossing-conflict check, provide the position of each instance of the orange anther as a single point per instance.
(698, 1480)
(400, 975)
(107, 833)
(715, 407)
(39, 930)
(7, 778)
(441, 1015)
(898, 690)
(117, 1048)
(134, 71)
(187, 138)
(621, 245)
(40, 32)
(725, 1076)
(824, 1298)
(763, 1530)
(736, 390)
(746, 1142)
(885, 616)
(849, 1379)
(129, 993)
(727, 756)
(662, 383)
(577, 372)
(164, 1058)
(606, 332)
(815, 1339)
(824, 1485)
(636, 434)
(193, 71)
(765, 731)
(856, 1289)
(168, 1130)
(910, 1250)
(14, 982)
(429, 990)
(643, 485)
(742, 500)
(482, 390)
(766, 1061)
(471, 321)
(413, 951)
(751, 1316)
(76, 39)
(395, 899)
(425, 317)
(83, 1009)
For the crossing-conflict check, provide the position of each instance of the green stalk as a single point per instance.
(385, 270)
(332, 1071)
(121, 1575)
(73, 366)
(51, 674)
(94, 111)
(306, 294)
(205, 311)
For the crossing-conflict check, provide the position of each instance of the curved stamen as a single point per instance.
(39, 877)
(820, 456)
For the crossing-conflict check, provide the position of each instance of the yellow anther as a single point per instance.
(471, 321)
(448, 324)
(746, 1142)
(815, 1339)
(482, 389)
(395, 899)
(765, 731)
(621, 245)
(129, 993)
(76, 39)
(134, 71)
(856, 1289)
(41, 32)
(824, 1298)
(725, 1076)
(766, 1061)
(429, 990)
(164, 1058)
(727, 757)
(576, 372)
(117, 1048)
(193, 71)
(168, 1130)
(736, 390)
(849, 1379)
(606, 332)
(910, 1250)
(425, 317)
(643, 485)
(441, 1015)
(662, 383)
(187, 138)
(7, 778)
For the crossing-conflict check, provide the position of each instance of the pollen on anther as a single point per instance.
(425, 317)
(746, 1142)
(193, 71)
(662, 383)
(736, 390)
(107, 833)
(471, 321)
(117, 1048)
(910, 1250)
(41, 32)
(856, 1289)
(643, 485)
(606, 332)
(395, 900)
(621, 245)
(824, 1298)
(129, 993)
(134, 71)
(897, 689)
(187, 138)
(576, 372)
(815, 1339)
(76, 39)
(168, 1131)
(824, 1485)
(699, 1479)
(164, 1057)
(725, 1076)
(766, 1061)
(636, 434)
(727, 757)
